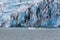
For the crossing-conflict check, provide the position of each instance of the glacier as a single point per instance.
(30, 13)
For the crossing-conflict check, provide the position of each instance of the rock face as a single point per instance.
(29, 13)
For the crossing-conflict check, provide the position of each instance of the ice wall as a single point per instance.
(29, 13)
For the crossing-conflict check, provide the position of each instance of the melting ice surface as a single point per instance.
(30, 13)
